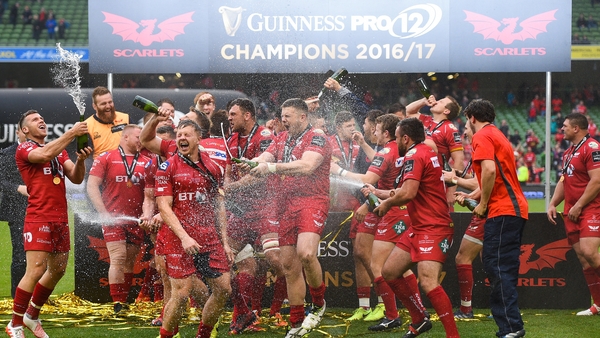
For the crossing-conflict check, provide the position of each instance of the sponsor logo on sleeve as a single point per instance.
(435, 161)
(408, 166)
(318, 141)
(457, 138)
(596, 156)
(163, 166)
(264, 144)
(377, 161)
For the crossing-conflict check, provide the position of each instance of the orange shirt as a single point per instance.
(507, 198)
(106, 136)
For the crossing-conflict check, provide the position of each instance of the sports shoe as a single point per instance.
(520, 333)
(461, 315)
(118, 307)
(359, 314)
(14, 332)
(378, 313)
(157, 321)
(143, 297)
(35, 325)
(296, 332)
(175, 336)
(416, 329)
(242, 322)
(386, 324)
(314, 318)
(278, 320)
(592, 311)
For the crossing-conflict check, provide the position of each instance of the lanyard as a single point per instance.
(207, 174)
(242, 152)
(287, 150)
(429, 133)
(129, 170)
(566, 165)
(401, 175)
(347, 158)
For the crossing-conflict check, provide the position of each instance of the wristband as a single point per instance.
(455, 180)
(272, 167)
(340, 171)
(343, 173)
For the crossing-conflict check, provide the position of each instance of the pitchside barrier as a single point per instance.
(550, 275)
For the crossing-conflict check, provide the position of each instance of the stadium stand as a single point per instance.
(75, 12)
(585, 7)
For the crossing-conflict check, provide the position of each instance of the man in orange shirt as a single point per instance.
(502, 202)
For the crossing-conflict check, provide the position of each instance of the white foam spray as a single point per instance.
(66, 74)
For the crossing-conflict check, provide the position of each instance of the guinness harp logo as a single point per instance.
(232, 18)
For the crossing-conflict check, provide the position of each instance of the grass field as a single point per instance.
(92, 320)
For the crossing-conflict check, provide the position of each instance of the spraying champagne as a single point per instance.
(336, 76)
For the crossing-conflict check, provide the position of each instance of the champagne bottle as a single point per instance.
(336, 76)
(373, 201)
(252, 164)
(470, 203)
(145, 104)
(82, 141)
(423, 88)
(447, 168)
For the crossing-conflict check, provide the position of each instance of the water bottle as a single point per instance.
(145, 104)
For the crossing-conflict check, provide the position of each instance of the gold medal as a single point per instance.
(129, 184)
(56, 180)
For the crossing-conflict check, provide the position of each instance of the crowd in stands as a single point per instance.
(43, 20)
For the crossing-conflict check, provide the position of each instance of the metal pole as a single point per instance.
(109, 82)
(548, 150)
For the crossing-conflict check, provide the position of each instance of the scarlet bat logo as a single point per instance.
(530, 27)
(548, 255)
(99, 245)
(128, 29)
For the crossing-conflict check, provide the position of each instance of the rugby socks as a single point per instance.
(166, 334)
(128, 281)
(257, 292)
(389, 299)
(204, 331)
(118, 293)
(406, 296)
(279, 294)
(318, 295)
(593, 283)
(20, 304)
(441, 303)
(411, 280)
(364, 296)
(242, 292)
(38, 299)
(465, 284)
(296, 315)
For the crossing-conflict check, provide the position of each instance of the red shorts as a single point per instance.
(302, 220)
(46, 236)
(159, 245)
(393, 225)
(588, 226)
(425, 247)
(474, 232)
(182, 265)
(368, 226)
(130, 233)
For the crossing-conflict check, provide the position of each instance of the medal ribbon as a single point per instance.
(128, 170)
(54, 164)
(347, 158)
(206, 174)
(242, 152)
(566, 165)
(287, 150)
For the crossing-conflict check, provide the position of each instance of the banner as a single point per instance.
(253, 36)
(550, 276)
(41, 54)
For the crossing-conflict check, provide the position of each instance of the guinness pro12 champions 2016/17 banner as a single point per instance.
(253, 36)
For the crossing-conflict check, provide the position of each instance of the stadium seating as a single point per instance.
(75, 12)
(584, 7)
